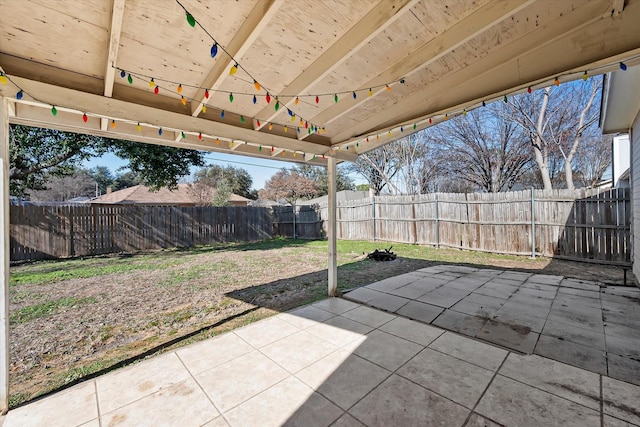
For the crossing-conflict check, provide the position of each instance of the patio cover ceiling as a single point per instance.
(437, 57)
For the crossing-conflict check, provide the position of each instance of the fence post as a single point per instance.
(373, 216)
(413, 220)
(293, 207)
(533, 226)
(437, 225)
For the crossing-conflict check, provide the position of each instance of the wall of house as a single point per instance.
(620, 158)
(635, 188)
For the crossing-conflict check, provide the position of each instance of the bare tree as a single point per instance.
(555, 120)
(62, 188)
(378, 167)
(593, 159)
(484, 149)
(290, 186)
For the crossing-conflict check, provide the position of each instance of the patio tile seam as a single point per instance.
(552, 393)
(463, 360)
(95, 387)
(199, 385)
(493, 377)
(601, 401)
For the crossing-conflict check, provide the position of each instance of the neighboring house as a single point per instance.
(341, 196)
(141, 195)
(621, 115)
(617, 174)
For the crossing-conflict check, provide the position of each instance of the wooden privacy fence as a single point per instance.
(41, 232)
(587, 225)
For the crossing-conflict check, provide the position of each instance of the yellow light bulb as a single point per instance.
(297, 101)
(139, 128)
(293, 118)
(270, 126)
(152, 84)
(233, 70)
(204, 109)
(285, 129)
(370, 92)
(3, 79)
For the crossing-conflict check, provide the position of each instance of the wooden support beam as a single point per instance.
(332, 269)
(128, 111)
(117, 15)
(250, 30)
(460, 33)
(514, 65)
(385, 13)
(4, 255)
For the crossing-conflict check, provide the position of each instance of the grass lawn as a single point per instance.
(70, 319)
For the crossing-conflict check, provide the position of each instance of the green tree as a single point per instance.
(103, 176)
(320, 177)
(126, 180)
(222, 194)
(238, 179)
(363, 187)
(37, 154)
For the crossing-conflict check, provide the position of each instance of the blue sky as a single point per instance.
(259, 169)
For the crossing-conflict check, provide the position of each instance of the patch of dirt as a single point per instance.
(121, 315)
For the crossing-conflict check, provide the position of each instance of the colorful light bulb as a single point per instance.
(267, 98)
(183, 135)
(255, 99)
(293, 118)
(206, 93)
(388, 88)
(113, 124)
(258, 123)
(204, 108)
(623, 66)
(415, 125)
(260, 148)
(160, 131)
(200, 136)
(277, 106)
(505, 99)
(19, 94)
(335, 97)
(401, 129)
(183, 100)
(446, 117)
(317, 99)
(179, 88)
(191, 20)
(123, 74)
(529, 89)
(234, 69)
(285, 128)
(139, 128)
(256, 85)
(54, 111)
(370, 92)
(585, 76)
(3, 78)
(222, 114)
(130, 79)
(354, 95)
(230, 97)
(85, 118)
(214, 50)
(156, 90)
(270, 126)
(430, 121)
(557, 81)
(297, 101)
(152, 83)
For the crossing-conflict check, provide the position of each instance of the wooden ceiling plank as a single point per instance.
(250, 30)
(585, 16)
(123, 110)
(466, 29)
(384, 14)
(117, 15)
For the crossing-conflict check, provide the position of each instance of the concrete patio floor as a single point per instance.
(585, 324)
(339, 363)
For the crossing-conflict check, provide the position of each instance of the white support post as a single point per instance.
(4, 255)
(333, 257)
